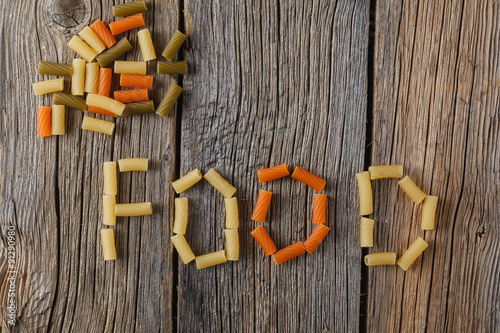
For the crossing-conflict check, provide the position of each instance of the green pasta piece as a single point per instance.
(129, 8)
(172, 68)
(174, 45)
(72, 101)
(174, 91)
(52, 68)
(114, 52)
(132, 109)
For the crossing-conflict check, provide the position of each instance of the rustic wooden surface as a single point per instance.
(270, 82)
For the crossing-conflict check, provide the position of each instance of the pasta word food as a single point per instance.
(366, 232)
(134, 209)
(108, 244)
(110, 180)
(365, 193)
(232, 244)
(136, 81)
(272, 173)
(44, 121)
(114, 52)
(232, 219)
(74, 102)
(126, 23)
(319, 208)
(146, 45)
(381, 258)
(129, 8)
(172, 67)
(188, 180)
(315, 238)
(78, 77)
(211, 259)
(413, 252)
(130, 67)
(262, 237)
(288, 253)
(103, 33)
(181, 215)
(83, 50)
(91, 38)
(183, 248)
(108, 209)
(48, 86)
(385, 171)
(429, 212)
(106, 103)
(132, 109)
(133, 164)
(167, 103)
(174, 45)
(58, 120)
(52, 68)
(98, 125)
(413, 191)
(91, 77)
(220, 184)
(309, 179)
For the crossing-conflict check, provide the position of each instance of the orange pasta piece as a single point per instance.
(96, 109)
(126, 23)
(316, 237)
(272, 173)
(262, 237)
(319, 208)
(262, 206)
(104, 89)
(44, 121)
(289, 252)
(309, 179)
(136, 81)
(131, 96)
(104, 34)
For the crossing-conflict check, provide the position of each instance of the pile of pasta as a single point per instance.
(262, 206)
(110, 209)
(98, 47)
(232, 251)
(366, 208)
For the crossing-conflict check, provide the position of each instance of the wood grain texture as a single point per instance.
(436, 111)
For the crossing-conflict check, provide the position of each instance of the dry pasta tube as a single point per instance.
(366, 232)
(53, 68)
(48, 86)
(211, 259)
(105, 103)
(133, 164)
(183, 248)
(115, 51)
(129, 8)
(232, 219)
(385, 171)
(413, 191)
(110, 179)
(232, 244)
(74, 102)
(428, 208)
(181, 215)
(98, 125)
(146, 44)
(108, 209)
(172, 67)
(108, 244)
(132, 109)
(186, 181)
(58, 120)
(91, 38)
(167, 103)
(413, 252)
(80, 47)
(91, 77)
(365, 193)
(220, 184)
(130, 67)
(174, 45)
(134, 209)
(78, 77)
(381, 258)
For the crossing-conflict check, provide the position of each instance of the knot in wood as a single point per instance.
(69, 16)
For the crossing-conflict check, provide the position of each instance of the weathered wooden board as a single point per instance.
(436, 110)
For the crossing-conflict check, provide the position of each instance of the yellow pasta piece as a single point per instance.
(413, 252)
(385, 171)
(134, 209)
(110, 179)
(98, 125)
(130, 67)
(232, 219)
(146, 44)
(366, 232)
(82, 48)
(211, 259)
(381, 258)
(78, 77)
(91, 77)
(174, 45)
(108, 209)
(232, 244)
(428, 210)
(365, 193)
(58, 120)
(413, 191)
(186, 181)
(105, 103)
(91, 38)
(108, 244)
(183, 248)
(48, 86)
(181, 215)
(220, 184)
(133, 164)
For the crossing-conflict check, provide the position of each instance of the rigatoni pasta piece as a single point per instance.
(130, 67)
(315, 238)
(232, 244)
(181, 215)
(114, 52)
(44, 121)
(172, 67)
(366, 232)
(134, 209)
(413, 191)
(78, 77)
(272, 173)
(186, 181)
(146, 45)
(74, 102)
(91, 38)
(385, 171)
(105, 103)
(108, 244)
(167, 103)
(174, 45)
(52, 68)
(91, 77)
(262, 206)
(429, 212)
(110, 178)
(309, 179)
(108, 209)
(220, 184)
(288, 253)
(126, 23)
(381, 258)
(183, 248)
(131, 96)
(319, 208)
(82, 48)
(211, 259)
(262, 237)
(132, 109)
(232, 219)
(103, 33)
(136, 81)
(129, 8)
(98, 125)
(133, 164)
(413, 252)
(365, 193)
(58, 120)
(48, 86)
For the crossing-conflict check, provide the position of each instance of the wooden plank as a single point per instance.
(274, 82)
(436, 111)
